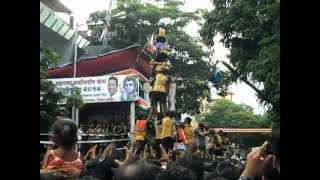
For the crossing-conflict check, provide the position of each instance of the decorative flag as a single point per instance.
(143, 104)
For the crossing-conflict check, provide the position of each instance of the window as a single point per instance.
(44, 15)
(49, 22)
(69, 34)
(57, 25)
(63, 30)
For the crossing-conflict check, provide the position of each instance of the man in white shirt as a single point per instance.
(113, 89)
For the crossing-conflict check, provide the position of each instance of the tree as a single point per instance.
(251, 30)
(135, 22)
(226, 114)
(49, 97)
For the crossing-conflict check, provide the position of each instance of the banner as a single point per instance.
(100, 89)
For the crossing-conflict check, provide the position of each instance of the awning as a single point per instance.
(57, 6)
(108, 63)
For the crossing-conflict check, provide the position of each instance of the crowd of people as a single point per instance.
(104, 128)
(162, 148)
(152, 159)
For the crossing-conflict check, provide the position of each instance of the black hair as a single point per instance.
(66, 130)
(188, 120)
(177, 172)
(211, 175)
(207, 166)
(90, 167)
(110, 161)
(50, 176)
(181, 126)
(104, 171)
(139, 170)
(221, 165)
(239, 170)
(219, 178)
(171, 114)
(113, 78)
(229, 173)
(154, 161)
(131, 78)
(100, 170)
(195, 163)
(214, 164)
(160, 116)
(201, 125)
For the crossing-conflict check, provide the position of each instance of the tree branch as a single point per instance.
(262, 95)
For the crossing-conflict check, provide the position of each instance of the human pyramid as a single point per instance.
(160, 80)
(159, 127)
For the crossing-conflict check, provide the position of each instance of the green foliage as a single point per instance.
(135, 22)
(226, 114)
(49, 98)
(251, 30)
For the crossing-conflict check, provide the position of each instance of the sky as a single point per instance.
(242, 93)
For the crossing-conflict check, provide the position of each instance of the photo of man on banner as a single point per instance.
(113, 86)
(130, 89)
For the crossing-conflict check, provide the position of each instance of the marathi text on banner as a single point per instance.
(100, 89)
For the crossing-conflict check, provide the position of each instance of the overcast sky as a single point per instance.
(242, 92)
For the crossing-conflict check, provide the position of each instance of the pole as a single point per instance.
(75, 51)
(132, 119)
(75, 111)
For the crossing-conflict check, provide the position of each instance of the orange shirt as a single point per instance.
(55, 162)
(141, 130)
(189, 134)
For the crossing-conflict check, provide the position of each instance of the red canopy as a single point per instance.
(108, 63)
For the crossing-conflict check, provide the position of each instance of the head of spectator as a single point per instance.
(221, 165)
(188, 120)
(104, 169)
(139, 170)
(218, 178)
(229, 173)
(171, 114)
(64, 133)
(52, 176)
(177, 172)
(211, 175)
(201, 126)
(90, 167)
(207, 166)
(195, 163)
